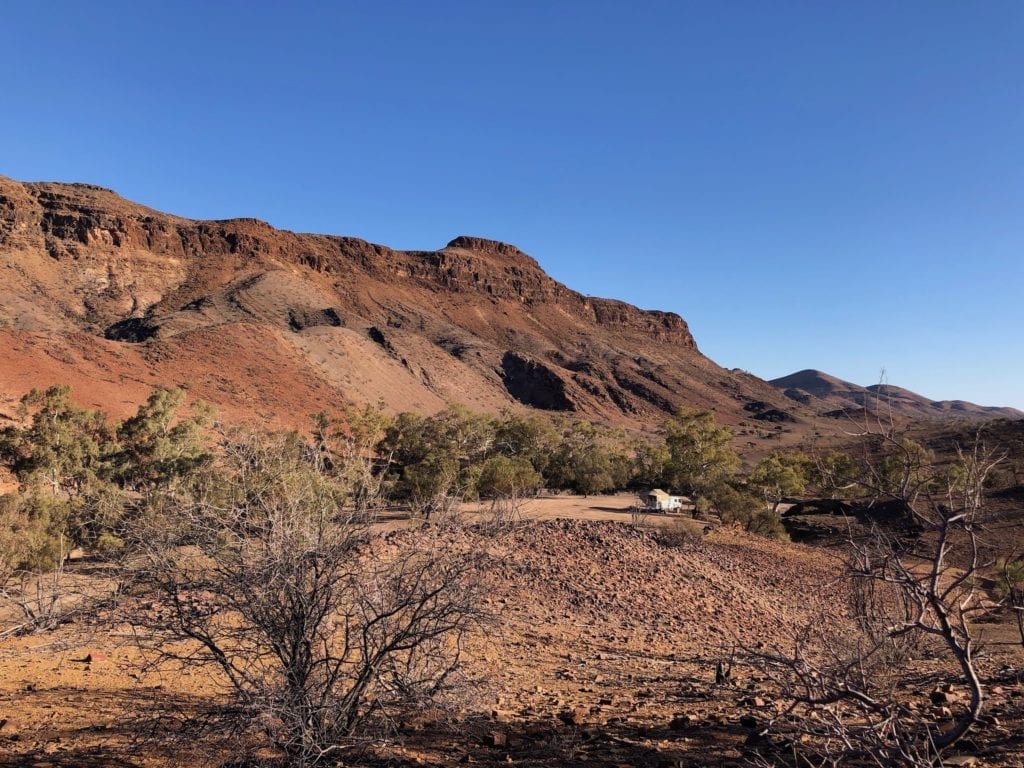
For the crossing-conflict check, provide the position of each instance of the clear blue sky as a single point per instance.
(810, 184)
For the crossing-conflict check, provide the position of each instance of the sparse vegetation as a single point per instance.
(81, 480)
(248, 558)
(1009, 581)
(266, 576)
(677, 533)
(908, 591)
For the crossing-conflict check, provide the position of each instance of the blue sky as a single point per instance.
(811, 185)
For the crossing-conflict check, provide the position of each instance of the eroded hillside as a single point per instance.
(113, 297)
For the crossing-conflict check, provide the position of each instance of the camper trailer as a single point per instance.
(660, 501)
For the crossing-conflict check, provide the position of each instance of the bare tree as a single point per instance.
(318, 630)
(906, 590)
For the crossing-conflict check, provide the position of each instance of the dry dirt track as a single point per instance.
(609, 508)
(603, 507)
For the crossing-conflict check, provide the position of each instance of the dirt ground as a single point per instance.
(603, 653)
(610, 507)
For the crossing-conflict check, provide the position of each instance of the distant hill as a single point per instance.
(834, 398)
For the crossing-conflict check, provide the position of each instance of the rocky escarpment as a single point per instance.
(69, 221)
(476, 321)
(501, 271)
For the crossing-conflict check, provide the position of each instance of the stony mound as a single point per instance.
(603, 654)
(710, 591)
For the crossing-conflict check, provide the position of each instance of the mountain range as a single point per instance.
(114, 298)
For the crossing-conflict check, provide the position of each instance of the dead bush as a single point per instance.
(676, 533)
(319, 631)
(848, 684)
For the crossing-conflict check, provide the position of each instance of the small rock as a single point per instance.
(496, 739)
(575, 716)
(681, 722)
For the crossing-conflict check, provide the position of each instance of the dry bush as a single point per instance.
(676, 533)
(35, 593)
(844, 685)
(317, 630)
(504, 514)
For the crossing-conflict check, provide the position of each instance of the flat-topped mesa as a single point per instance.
(79, 185)
(87, 197)
(69, 220)
(66, 218)
(466, 265)
(506, 255)
(485, 267)
(484, 245)
(84, 221)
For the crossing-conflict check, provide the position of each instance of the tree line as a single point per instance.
(82, 478)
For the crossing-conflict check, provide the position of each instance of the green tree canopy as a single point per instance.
(835, 474)
(63, 447)
(526, 436)
(155, 446)
(779, 475)
(504, 477)
(700, 452)
(582, 462)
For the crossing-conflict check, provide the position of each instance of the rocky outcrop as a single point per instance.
(535, 384)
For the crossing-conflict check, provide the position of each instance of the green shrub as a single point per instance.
(501, 476)
(735, 505)
(31, 533)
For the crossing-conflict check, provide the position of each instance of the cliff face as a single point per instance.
(145, 295)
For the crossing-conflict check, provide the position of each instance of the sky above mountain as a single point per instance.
(827, 185)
